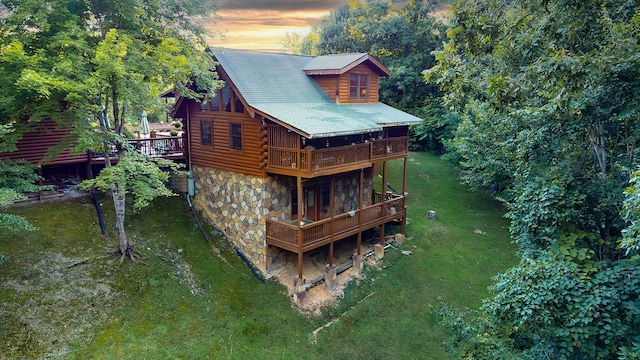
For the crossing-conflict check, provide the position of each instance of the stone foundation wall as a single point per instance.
(234, 203)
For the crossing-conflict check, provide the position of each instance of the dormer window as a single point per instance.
(358, 86)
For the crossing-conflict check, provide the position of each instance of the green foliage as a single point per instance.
(631, 214)
(141, 177)
(87, 64)
(16, 178)
(568, 307)
(436, 129)
(65, 59)
(548, 95)
(561, 305)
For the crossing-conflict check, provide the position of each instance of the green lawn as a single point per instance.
(186, 302)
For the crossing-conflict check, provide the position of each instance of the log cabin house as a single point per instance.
(282, 157)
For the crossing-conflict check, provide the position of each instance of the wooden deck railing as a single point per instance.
(309, 162)
(319, 233)
(168, 147)
(159, 146)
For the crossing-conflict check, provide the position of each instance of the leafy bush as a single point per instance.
(436, 129)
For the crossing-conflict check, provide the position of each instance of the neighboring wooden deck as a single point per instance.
(171, 148)
(311, 163)
(319, 233)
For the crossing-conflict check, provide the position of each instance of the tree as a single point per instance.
(631, 214)
(92, 64)
(548, 96)
(402, 37)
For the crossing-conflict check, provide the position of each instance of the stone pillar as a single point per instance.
(378, 251)
(358, 263)
(299, 290)
(330, 277)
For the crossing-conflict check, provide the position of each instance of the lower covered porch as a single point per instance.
(323, 212)
(314, 234)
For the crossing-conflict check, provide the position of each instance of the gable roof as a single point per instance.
(276, 86)
(337, 64)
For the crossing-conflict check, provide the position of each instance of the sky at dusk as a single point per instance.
(262, 24)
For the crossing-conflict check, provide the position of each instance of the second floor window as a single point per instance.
(235, 140)
(358, 86)
(205, 133)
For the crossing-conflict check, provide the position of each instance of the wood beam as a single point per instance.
(331, 204)
(404, 192)
(300, 252)
(384, 200)
(359, 240)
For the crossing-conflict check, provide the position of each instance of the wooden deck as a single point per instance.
(312, 163)
(319, 233)
(171, 148)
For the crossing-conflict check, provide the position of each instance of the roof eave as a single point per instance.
(376, 65)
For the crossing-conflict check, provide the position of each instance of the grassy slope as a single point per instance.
(189, 303)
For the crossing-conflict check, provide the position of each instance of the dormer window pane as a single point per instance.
(358, 86)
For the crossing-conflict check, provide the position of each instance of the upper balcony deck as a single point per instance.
(287, 158)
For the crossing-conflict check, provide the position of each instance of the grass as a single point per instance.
(186, 302)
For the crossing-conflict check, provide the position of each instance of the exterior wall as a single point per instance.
(234, 203)
(39, 138)
(278, 197)
(346, 188)
(343, 97)
(329, 83)
(219, 154)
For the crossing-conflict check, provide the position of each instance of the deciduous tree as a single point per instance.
(548, 94)
(91, 64)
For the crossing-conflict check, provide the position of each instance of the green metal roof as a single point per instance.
(333, 62)
(275, 84)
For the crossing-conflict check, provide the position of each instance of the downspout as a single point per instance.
(190, 181)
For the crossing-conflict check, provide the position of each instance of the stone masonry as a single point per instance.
(239, 205)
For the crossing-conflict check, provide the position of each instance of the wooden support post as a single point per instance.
(404, 196)
(300, 200)
(384, 200)
(360, 206)
(331, 253)
(357, 259)
(299, 282)
(331, 204)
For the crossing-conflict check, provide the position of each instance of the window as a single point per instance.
(225, 96)
(358, 86)
(205, 133)
(235, 140)
(239, 107)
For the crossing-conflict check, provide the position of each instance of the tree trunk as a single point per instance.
(119, 206)
(598, 144)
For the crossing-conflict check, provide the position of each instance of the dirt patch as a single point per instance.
(51, 306)
(319, 297)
